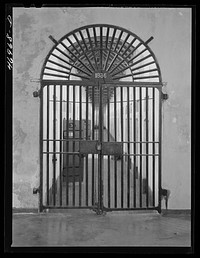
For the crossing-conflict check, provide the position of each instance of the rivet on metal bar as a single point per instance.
(149, 40)
(52, 39)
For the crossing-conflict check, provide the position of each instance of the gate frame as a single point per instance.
(116, 83)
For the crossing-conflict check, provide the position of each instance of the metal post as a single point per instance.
(41, 152)
(134, 146)
(128, 152)
(47, 189)
(61, 155)
(74, 136)
(147, 149)
(86, 166)
(140, 101)
(80, 138)
(67, 149)
(153, 139)
(54, 145)
(160, 150)
(108, 132)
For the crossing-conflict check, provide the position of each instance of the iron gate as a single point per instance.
(100, 122)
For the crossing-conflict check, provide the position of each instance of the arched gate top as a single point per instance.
(101, 52)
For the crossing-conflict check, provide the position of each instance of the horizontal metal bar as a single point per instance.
(67, 82)
(78, 153)
(129, 209)
(63, 140)
(78, 140)
(136, 84)
(68, 207)
(61, 152)
(91, 83)
(139, 154)
(119, 101)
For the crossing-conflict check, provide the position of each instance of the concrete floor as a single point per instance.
(85, 228)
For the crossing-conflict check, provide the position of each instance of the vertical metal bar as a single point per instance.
(111, 44)
(122, 161)
(115, 48)
(84, 52)
(93, 137)
(115, 131)
(147, 148)
(54, 145)
(101, 58)
(95, 36)
(130, 45)
(153, 139)
(74, 136)
(41, 150)
(67, 148)
(134, 145)
(80, 138)
(160, 150)
(116, 45)
(88, 34)
(61, 145)
(112, 62)
(107, 36)
(108, 132)
(100, 156)
(140, 100)
(128, 138)
(47, 189)
(86, 168)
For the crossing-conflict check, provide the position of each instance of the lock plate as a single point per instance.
(112, 148)
(88, 147)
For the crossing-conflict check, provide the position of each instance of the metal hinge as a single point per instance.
(165, 96)
(36, 94)
(36, 190)
(165, 193)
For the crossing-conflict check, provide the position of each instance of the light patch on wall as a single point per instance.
(19, 134)
(174, 120)
(16, 202)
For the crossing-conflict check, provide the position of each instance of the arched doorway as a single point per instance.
(100, 122)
